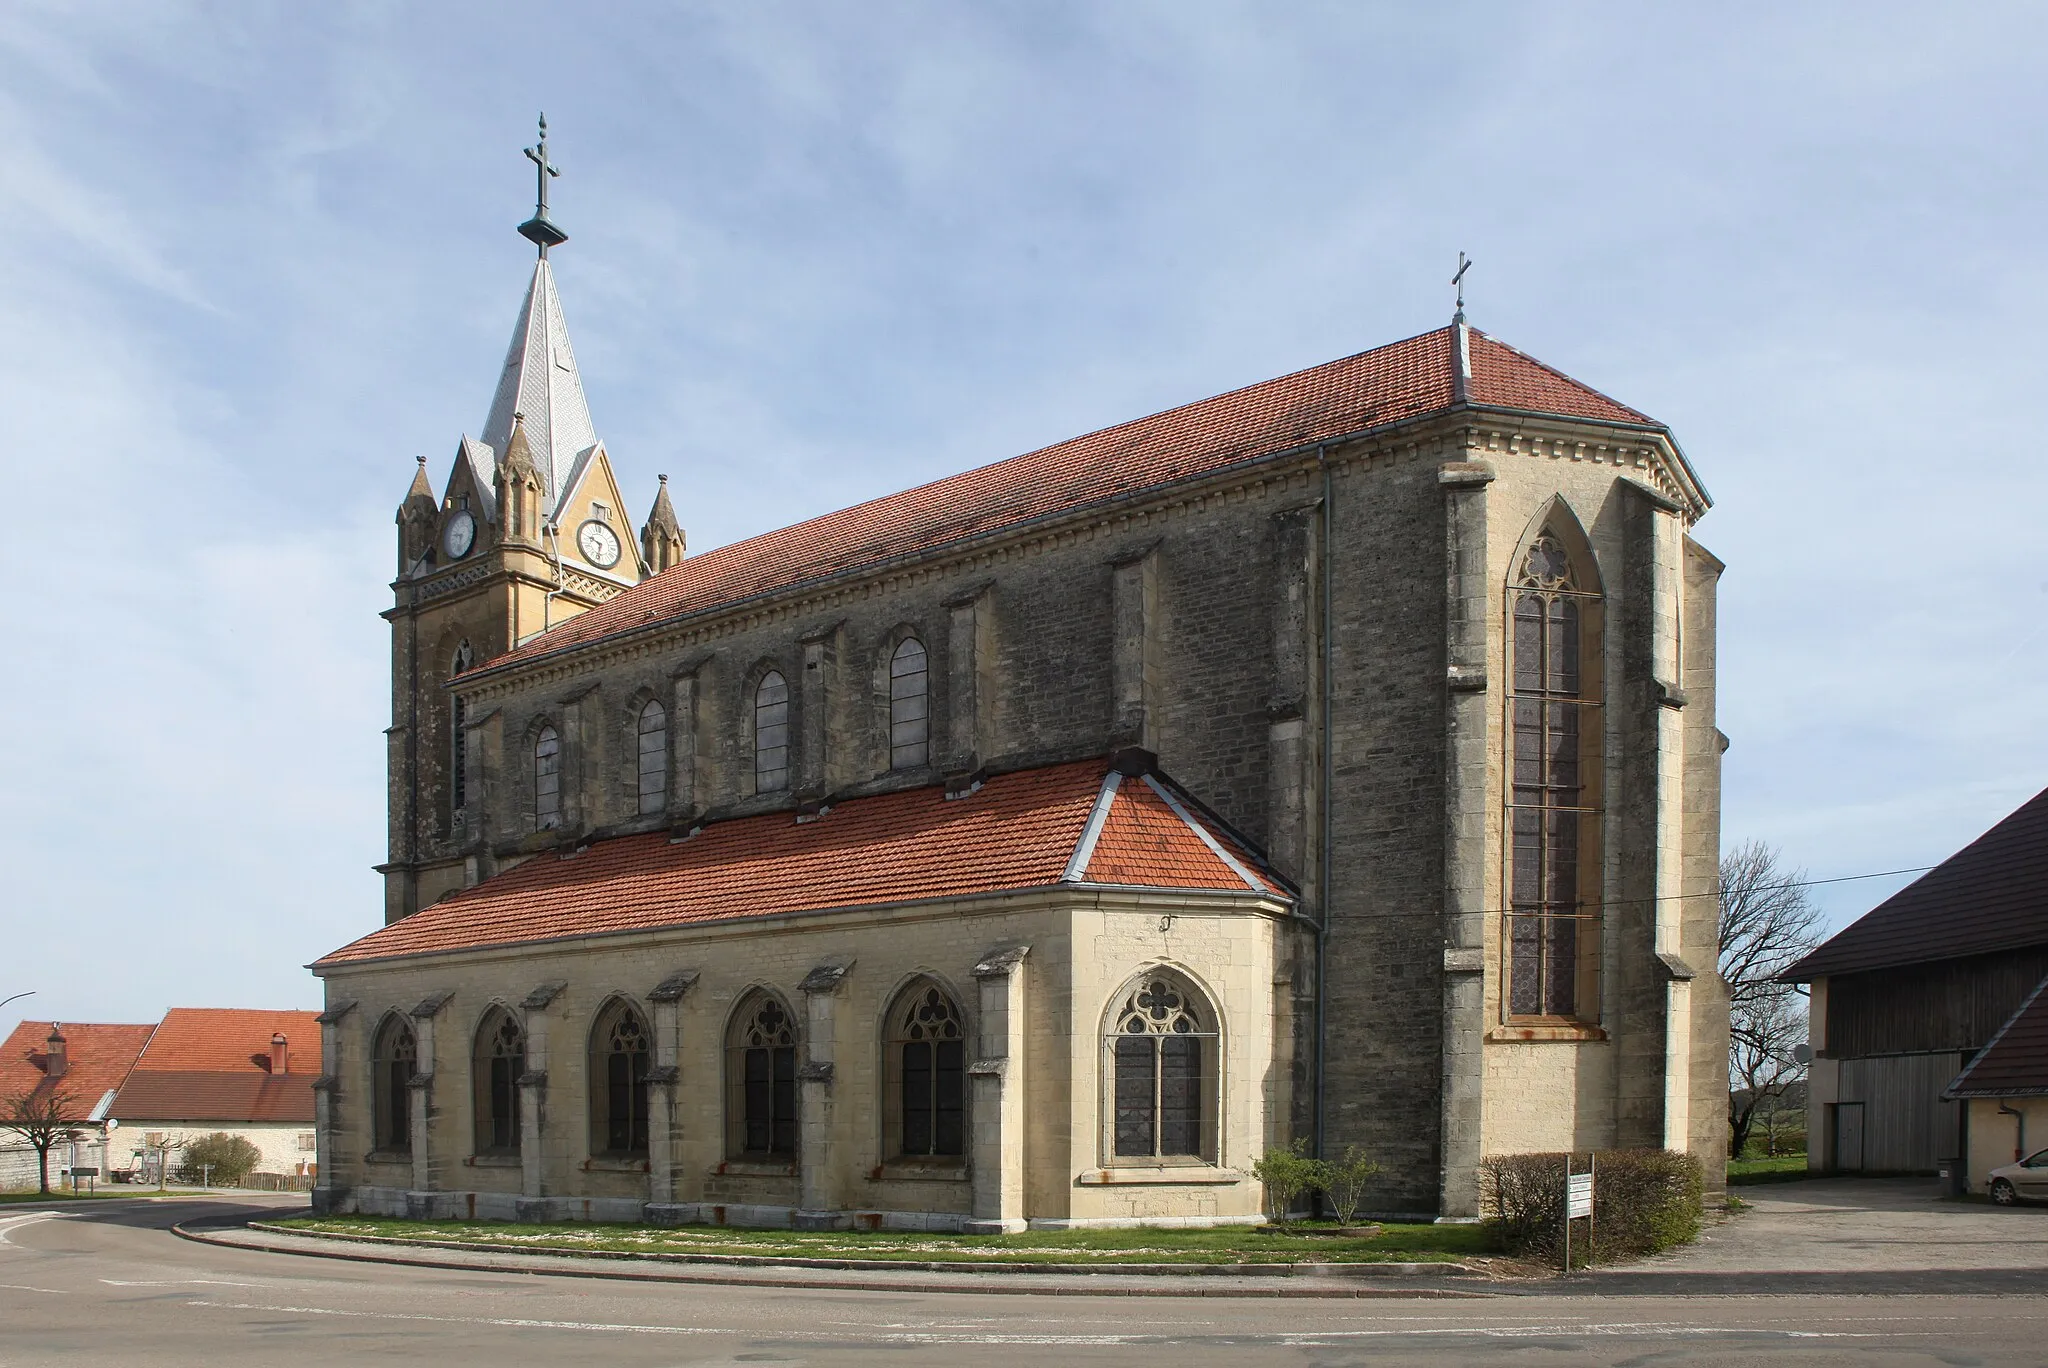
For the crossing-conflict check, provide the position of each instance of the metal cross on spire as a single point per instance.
(1464, 265)
(540, 230)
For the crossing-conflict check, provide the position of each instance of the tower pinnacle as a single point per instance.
(540, 230)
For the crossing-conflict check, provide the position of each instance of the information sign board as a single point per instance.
(1578, 1195)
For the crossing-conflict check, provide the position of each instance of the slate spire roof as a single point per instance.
(1449, 368)
(540, 382)
(1084, 824)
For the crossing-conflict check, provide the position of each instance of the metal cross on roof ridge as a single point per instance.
(540, 230)
(1464, 265)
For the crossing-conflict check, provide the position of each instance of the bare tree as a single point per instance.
(1768, 923)
(43, 1117)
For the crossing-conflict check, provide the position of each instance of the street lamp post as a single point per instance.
(4, 1001)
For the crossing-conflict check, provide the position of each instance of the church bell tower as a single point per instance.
(528, 530)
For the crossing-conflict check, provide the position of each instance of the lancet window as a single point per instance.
(394, 1058)
(621, 1053)
(547, 779)
(927, 1064)
(1552, 934)
(498, 1060)
(458, 736)
(909, 709)
(652, 733)
(1161, 1060)
(771, 734)
(760, 1075)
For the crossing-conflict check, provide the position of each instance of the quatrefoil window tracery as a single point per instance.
(1548, 566)
(1158, 1008)
(769, 1028)
(932, 1017)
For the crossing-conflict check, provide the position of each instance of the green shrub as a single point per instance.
(1644, 1201)
(1287, 1173)
(220, 1159)
(1344, 1181)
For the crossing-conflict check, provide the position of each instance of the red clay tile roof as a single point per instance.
(1385, 385)
(213, 1095)
(1017, 831)
(99, 1057)
(1989, 896)
(214, 1064)
(232, 1040)
(2015, 1063)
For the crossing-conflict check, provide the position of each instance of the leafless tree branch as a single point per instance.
(1768, 923)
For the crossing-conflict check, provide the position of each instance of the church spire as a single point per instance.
(661, 539)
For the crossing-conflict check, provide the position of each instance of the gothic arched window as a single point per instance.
(771, 734)
(458, 737)
(497, 1060)
(621, 1053)
(927, 1075)
(394, 1058)
(760, 1080)
(908, 707)
(1160, 1055)
(652, 729)
(1552, 939)
(547, 778)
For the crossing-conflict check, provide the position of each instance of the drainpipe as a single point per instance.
(2019, 1138)
(1323, 858)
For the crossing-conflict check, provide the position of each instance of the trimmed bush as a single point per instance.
(1287, 1173)
(220, 1159)
(1644, 1201)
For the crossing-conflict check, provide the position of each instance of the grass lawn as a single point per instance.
(56, 1194)
(1783, 1168)
(1220, 1245)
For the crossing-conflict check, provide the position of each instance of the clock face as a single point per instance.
(599, 544)
(460, 534)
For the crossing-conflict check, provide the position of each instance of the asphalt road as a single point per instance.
(106, 1282)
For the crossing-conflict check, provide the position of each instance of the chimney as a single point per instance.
(280, 1053)
(56, 1057)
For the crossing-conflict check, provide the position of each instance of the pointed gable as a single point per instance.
(541, 382)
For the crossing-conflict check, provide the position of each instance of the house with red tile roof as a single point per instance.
(70, 1071)
(1329, 759)
(224, 1069)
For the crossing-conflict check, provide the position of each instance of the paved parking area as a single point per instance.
(1864, 1225)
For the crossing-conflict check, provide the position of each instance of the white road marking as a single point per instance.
(174, 1282)
(1292, 1339)
(10, 1224)
(46, 1291)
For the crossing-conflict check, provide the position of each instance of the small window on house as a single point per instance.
(309, 1141)
(653, 762)
(494, 1069)
(1160, 1057)
(927, 1064)
(458, 738)
(760, 1077)
(620, 1055)
(908, 737)
(393, 1061)
(1552, 934)
(547, 779)
(771, 734)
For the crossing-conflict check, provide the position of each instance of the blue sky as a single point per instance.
(261, 257)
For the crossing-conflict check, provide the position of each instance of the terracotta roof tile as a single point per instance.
(2015, 1063)
(231, 1040)
(1989, 896)
(99, 1056)
(1017, 831)
(1402, 380)
(211, 1095)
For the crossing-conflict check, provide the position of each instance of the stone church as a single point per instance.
(1333, 758)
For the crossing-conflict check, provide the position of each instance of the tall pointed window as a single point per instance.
(1552, 934)
(760, 1080)
(1160, 1066)
(458, 737)
(653, 757)
(393, 1060)
(499, 1059)
(909, 747)
(621, 1053)
(547, 779)
(927, 1067)
(771, 734)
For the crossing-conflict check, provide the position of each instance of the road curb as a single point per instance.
(743, 1272)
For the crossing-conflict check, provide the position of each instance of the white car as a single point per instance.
(2025, 1181)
